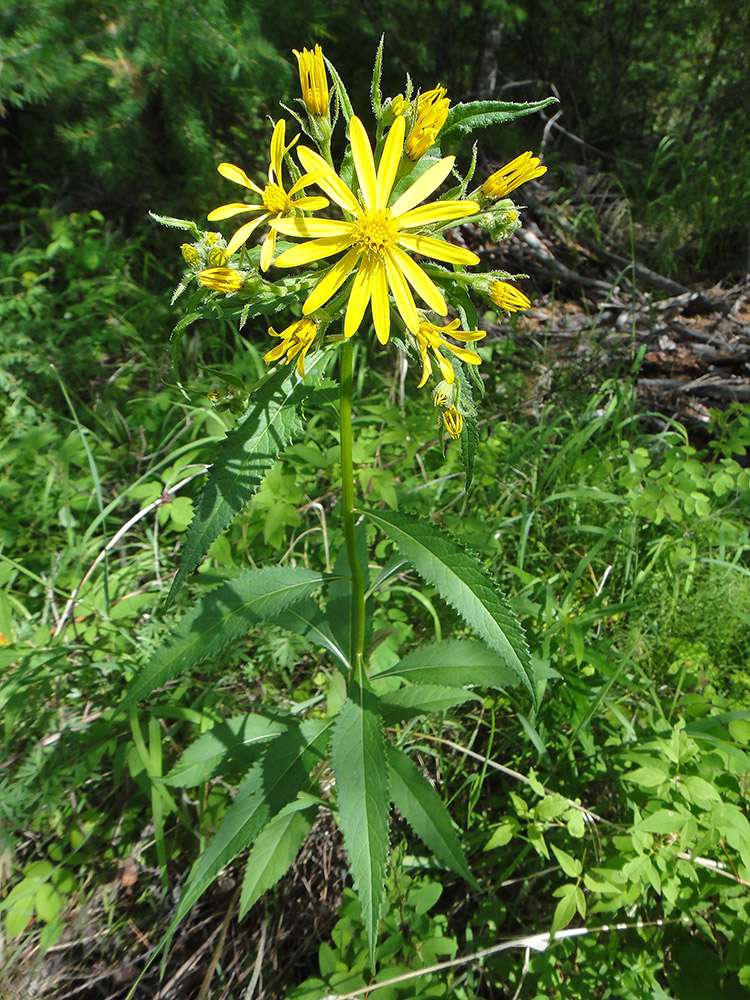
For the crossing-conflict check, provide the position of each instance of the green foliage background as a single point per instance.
(625, 549)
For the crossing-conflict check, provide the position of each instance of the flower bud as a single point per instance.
(507, 297)
(191, 254)
(454, 422)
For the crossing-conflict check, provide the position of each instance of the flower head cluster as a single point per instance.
(508, 297)
(295, 342)
(222, 279)
(432, 110)
(312, 80)
(430, 338)
(524, 168)
(377, 242)
(375, 252)
(275, 201)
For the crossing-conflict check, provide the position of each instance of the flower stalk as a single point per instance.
(357, 625)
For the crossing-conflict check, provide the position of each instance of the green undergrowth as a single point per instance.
(625, 552)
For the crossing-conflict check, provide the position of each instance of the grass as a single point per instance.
(626, 554)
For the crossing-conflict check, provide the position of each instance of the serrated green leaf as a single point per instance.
(375, 93)
(220, 616)
(423, 810)
(247, 454)
(346, 104)
(421, 699)
(464, 118)
(275, 849)
(186, 224)
(273, 783)
(237, 741)
(462, 581)
(359, 761)
(308, 620)
(456, 663)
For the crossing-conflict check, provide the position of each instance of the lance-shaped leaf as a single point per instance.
(275, 849)
(310, 621)
(359, 762)
(235, 742)
(463, 582)
(247, 454)
(420, 699)
(221, 616)
(273, 783)
(421, 807)
(463, 118)
(455, 662)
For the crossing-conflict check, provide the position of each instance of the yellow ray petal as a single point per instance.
(446, 368)
(381, 303)
(363, 162)
(311, 203)
(238, 176)
(313, 227)
(277, 150)
(331, 283)
(426, 369)
(439, 249)
(243, 233)
(422, 285)
(228, 211)
(437, 211)
(359, 296)
(276, 352)
(464, 334)
(314, 250)
(423, 186)
(304, 180)
(389, 161)
(402, 295)
(333, 186)
(470, 357)
(267, 250)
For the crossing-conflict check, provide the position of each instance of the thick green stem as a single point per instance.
(357, 624)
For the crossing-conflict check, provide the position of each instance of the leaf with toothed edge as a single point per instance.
(247, 454)
(221, 616)
(358, 758)
(464, 583)
(421, 807)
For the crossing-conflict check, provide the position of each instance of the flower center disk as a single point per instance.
(376, 232)
(275, 199)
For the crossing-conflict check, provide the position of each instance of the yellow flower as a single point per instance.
(432, 110)
(443, 394)
(508, 297)
(275, 201)
(296, 339)
(430, 337)
(376, 241)
(524, 168)
(312, 80)
(399, 105)
(217, 256)
(454, 422)
(222, 279)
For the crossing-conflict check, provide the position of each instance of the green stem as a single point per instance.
(357, 626)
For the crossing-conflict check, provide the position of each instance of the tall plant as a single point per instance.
(357, 230)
